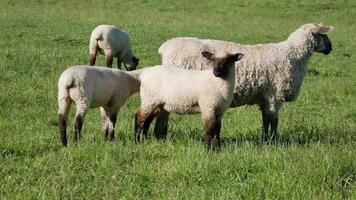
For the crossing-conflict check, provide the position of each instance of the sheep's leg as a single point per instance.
(108, 59)
(104, 124)
(161, 125)
(92, 58)
(217, 129)
(274, 125)
(62, 122)
(108, 120)
(212, 126)
(64, 106)
(270, 123)
(139, 121)
(143, 120)
(112, 119)
(266, 123)
(79, 118)
(119, 63)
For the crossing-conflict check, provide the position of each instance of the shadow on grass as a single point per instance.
(293, 135)
(296, 135)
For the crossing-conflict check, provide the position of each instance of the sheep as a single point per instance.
(166, 89)
(269, 75)
(92, 87)
(112, 42)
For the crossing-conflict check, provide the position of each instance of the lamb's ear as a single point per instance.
(325, 29)
(322, 29)
(208, 55)
(237, 56)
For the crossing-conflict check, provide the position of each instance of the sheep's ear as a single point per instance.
(237, 56)
(325, 29)
(322, 29)
(208, 55)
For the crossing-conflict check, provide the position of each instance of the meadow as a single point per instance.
(315, 157)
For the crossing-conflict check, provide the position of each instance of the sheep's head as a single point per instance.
(323, 44)
(222, 64)
(131, 64)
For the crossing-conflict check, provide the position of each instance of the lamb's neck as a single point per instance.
(299, 53)
(134, 80)
(229, 80)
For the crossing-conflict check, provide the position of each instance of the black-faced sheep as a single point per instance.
(269, 74)
(166, 89)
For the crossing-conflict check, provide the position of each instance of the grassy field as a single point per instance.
(315, 159)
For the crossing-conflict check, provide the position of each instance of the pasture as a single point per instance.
(315, 157)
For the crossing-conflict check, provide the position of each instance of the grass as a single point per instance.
(315, 159)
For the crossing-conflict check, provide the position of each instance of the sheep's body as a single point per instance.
(92, 87)
(261, 69)
(166, 89)
(185, 91)
(112, 42)
(269, 74)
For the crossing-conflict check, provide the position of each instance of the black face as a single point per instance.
(222, 67)
(135, 61)
(323, 44)
(132, 64)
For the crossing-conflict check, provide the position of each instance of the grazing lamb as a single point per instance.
(269, 74)
(166, 89)
(112, 42)
(92, 87)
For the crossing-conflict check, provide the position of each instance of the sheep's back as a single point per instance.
(175, 89)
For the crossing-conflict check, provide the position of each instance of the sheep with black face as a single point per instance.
(269, 74)
(166, 89)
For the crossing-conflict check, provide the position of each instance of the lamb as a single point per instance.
(269, 75)
(112, 42)
(92, 87)
(166, 89)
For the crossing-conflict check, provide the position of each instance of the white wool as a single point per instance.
(97, 86)
(184, 91)
(269, 73)
(110, 40)
(92, 87)
(166, 89)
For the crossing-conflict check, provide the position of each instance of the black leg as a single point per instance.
(266, 123)
(119, 63)
(92, 59)
(62, 122)
(212, 128)
(161, 126)
(216, 139)
(108, 60)
(147, 123)
(77, 127)
(139, 122)
(113, 121)
(274, 125)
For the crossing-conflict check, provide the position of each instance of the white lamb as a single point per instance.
(92, 87)
(170, 89)
(112, 42)
(269, 74)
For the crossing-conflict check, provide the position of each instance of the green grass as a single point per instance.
(315, 159)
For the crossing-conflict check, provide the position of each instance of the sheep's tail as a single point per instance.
(165, 52)
(64, 102)
(161, 49)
